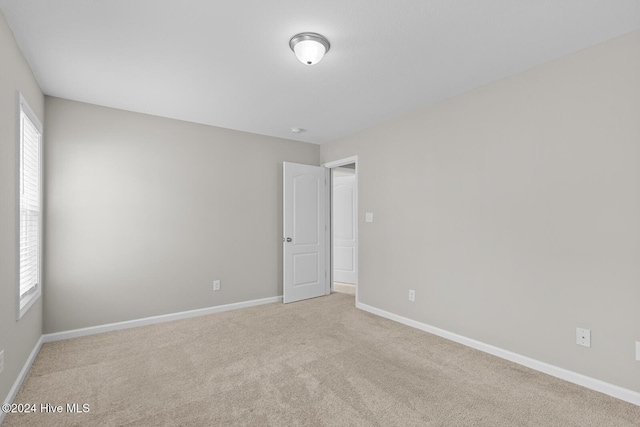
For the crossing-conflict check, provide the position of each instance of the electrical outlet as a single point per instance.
(1, 361)
(216, 285)
(412, 295)
(638, 351)
(368, 217)
(583, 337)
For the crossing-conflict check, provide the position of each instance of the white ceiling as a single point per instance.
(228, 63)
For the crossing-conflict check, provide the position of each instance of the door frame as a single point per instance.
(329, 215)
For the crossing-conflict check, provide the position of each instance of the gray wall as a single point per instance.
(514, 212)
(143, 213)
(17, 338)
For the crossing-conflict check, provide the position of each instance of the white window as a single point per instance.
(30, 205)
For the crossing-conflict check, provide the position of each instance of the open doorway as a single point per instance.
(320, 229)
(344, 225)
(343, 228)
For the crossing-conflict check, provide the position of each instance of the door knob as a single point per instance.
(287, 240)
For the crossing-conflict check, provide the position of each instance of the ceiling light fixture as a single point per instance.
(309, 47)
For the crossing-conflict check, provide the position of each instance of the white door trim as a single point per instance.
(329, 258)
(342, 162)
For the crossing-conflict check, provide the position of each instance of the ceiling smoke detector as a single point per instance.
(297, 130)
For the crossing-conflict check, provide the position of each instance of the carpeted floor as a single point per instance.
(319, 362)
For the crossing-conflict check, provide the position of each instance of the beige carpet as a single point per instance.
(311, 363)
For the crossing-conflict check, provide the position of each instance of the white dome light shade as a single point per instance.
(309, 52)
(309, 47)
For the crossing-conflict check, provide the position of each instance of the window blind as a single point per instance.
(30, 137)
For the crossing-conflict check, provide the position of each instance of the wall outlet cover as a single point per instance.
(412, 295)
(583, 337)
(1, 361)
(638, 351)
(216, 285)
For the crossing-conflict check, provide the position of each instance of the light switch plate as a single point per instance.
(368, 217)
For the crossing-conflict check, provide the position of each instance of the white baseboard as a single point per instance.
(21, 376)
(564, 374)
(92, 330)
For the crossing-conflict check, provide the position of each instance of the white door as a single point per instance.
(305, 239)
(344, 226)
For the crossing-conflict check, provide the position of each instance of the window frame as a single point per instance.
(23, 304)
